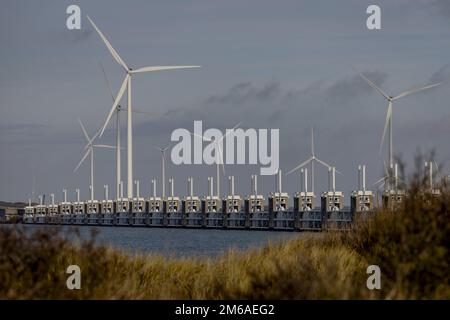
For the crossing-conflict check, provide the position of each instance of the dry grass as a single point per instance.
(411, 245)
(33, 266)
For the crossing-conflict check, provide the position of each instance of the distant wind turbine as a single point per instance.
(312, 159)
(163, 170)
(90, 150)
(126, 84)
(429, 165)
(388, 122)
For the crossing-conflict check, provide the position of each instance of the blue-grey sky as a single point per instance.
(270, 64)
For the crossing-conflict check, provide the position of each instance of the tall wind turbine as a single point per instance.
(219, 154)
(390, 100)
(118, 110)
(90, 150)
(126, 84)
(312, 159)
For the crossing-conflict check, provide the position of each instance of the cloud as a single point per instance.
(438, 7)
(350, 87)
(265, 105)
(244, 92)
(443, 7)
(75, 36)
(442, 75)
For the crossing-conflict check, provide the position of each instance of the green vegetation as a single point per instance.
(411, 246)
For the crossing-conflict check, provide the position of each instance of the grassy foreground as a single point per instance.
(411, 246)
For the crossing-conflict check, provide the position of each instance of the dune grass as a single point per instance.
(32, 266)
(410, 244)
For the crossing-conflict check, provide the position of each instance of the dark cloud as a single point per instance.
(247, 92)
(436, 7)
(354, 86)
(442, 6)
(267, 105)
(221, 109)
(77, 36)
(442, 75)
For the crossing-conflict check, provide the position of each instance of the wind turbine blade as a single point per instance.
(84, 130)
(301, 165)
(108, 84)
(91, 140)
(168, 146)
(236, 125)
(436, 165)
(414, 90)
(438, 173)
(109, 46)
(104, 146)
(161, 68)
(116, 102)
(230, 131)
(373, 85)
(201, 137)
(163, 149)
(312, 140)
(388, 116)
(386, 168)
(325, 164)
(81, 161)
(380, 180)
(221, 158)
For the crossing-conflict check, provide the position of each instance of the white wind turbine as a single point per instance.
(163, 170)
(90, 150)
(391, 179)
(126, 84)
(384, 179)
(388, 122)
(431, 165)
(312, 159)
(118, 110)
(219, 154)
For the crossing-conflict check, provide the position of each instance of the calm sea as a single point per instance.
(180, 242)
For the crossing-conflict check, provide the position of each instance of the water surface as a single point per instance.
(180, 242)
